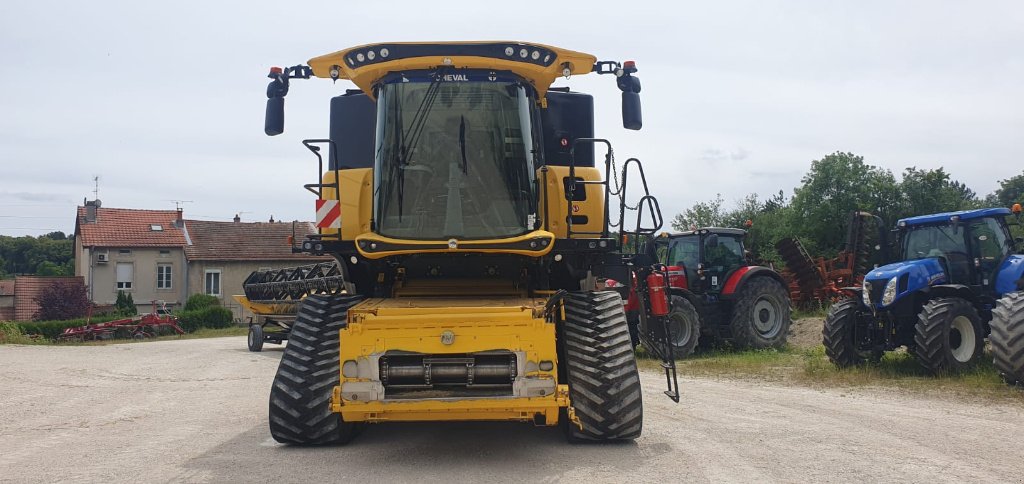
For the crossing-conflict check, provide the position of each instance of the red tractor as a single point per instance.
(716, 296)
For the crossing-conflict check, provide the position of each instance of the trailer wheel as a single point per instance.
(684, 322)
(255, 338)
(948, 335)
(309, 370)
(604, 385)
(838, 335)
(761, 316)
(1007, 337)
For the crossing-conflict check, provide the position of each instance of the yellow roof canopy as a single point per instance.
(366, 64)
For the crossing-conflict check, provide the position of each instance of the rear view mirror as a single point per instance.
(274, 122)
(632, 117)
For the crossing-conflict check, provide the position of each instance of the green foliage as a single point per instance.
(10, 333)
(52, 329)
(819, 211)
(125, 304)
(702, 214)
(50, 254)
(201, 301)
(212, 317)
(1010, 191)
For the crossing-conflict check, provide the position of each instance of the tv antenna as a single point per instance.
(96, 190)
(179, 203)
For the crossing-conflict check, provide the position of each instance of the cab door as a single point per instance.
(989, 244)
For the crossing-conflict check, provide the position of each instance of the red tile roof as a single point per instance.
(240, 241)
(124, 227)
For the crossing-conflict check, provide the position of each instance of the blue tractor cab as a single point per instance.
(938, 300)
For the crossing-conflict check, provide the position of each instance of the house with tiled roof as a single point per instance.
(18, 295)
(221, 255)
(159, 255)
(141, 252)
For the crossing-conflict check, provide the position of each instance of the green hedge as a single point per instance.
(52, 329)
(213, 317)
(196, 302)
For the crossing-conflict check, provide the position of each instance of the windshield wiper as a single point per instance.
(462, 143)
(401, 149)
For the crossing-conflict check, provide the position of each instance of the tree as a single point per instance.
(701, 214)
(1010, 191)
(125, 304)
(62, 300)
(932, 191)
(836, 185)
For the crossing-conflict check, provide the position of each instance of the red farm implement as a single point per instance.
(156, 323)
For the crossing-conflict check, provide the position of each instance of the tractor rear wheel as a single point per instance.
(948, 335)
(761, 316)
(1007, 337)
(684, 322)
(255, 338)
(604, 385)
(838, 335)
(300, 399)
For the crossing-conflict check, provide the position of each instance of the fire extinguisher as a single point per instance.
(657, 293)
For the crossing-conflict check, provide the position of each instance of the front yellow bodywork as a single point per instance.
(412, 324)
(555, 208)
(541, 77)
(355, 198)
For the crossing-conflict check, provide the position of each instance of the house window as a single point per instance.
(125, 275)
(156, 228)
(213, 282)
(163, 276)
(124, 252)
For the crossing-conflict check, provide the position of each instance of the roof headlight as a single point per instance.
(360, 57)
(509, 51)
(371, 55)
(889, 295)
(523, 53)
(535, 55)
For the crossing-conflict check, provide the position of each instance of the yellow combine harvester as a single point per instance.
(470, 225)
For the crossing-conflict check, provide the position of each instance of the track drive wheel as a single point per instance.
(1007, 337)
(604, 385)
(684, 322)
(761, 316)
(255, 338)
(838, 335)
(948, 335)
(301, 396)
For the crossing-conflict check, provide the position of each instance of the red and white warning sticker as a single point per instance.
(328, 214)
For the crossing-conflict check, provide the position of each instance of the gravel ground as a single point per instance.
(195, 411)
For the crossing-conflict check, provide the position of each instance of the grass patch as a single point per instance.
(813, 312)
(810, 367)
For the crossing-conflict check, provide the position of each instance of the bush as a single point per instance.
(125, 304)
(61, 300)
(52, 329)
(201, 301)
(213, 317)
(10, 333)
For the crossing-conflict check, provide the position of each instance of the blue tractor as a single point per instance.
(957, 277)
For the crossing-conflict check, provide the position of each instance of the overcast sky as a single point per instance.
(165, 101)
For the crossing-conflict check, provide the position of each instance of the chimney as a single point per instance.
(91, 207)
(271, 219)
(237, 218)
(179, 222)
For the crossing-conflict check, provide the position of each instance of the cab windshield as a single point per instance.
(454, 156)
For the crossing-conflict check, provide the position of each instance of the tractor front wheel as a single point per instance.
(838, 335)
(1007, 337)
(604, 385)
(761, 316)
(684, 324)
(948, 335)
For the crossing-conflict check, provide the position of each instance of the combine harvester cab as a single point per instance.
(957, 280)
(470, 223)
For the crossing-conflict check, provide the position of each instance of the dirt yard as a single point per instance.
(195, 411)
